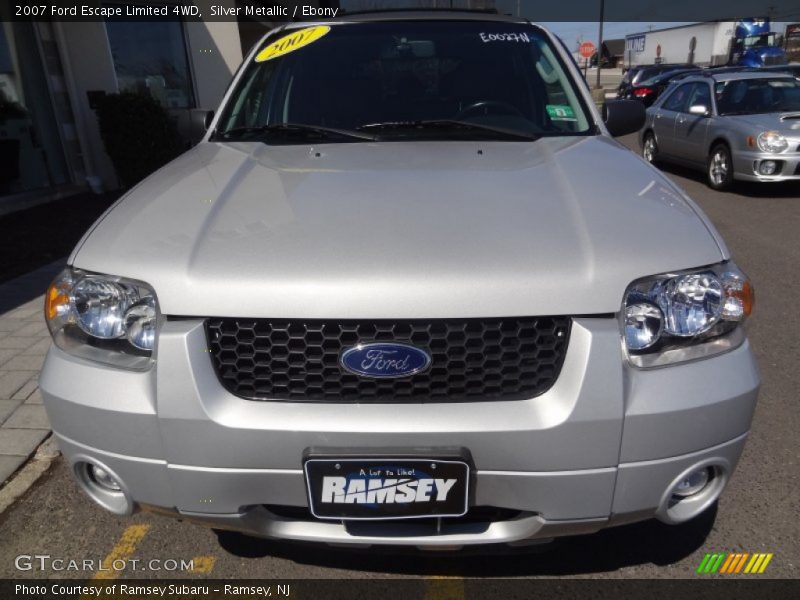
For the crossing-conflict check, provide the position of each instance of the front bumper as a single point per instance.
(746, 163)
(603, 446)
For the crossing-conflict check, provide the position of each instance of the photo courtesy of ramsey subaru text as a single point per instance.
(394, 297)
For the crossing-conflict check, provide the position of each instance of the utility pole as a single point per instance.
(600, 42)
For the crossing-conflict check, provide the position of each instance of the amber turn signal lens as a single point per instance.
(747, 297)
(56, 301)
(739, 299)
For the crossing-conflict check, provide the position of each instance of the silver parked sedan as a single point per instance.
(734, 125)
(393, 298)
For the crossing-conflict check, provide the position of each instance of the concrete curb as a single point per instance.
(29, 474)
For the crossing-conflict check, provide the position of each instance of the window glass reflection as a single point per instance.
(150, 58)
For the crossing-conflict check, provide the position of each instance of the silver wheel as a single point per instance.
(718, 167)
(650, 149)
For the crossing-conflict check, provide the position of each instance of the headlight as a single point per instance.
(681, 316)
(772, 141)
(691, 303)
(103, 318)
(100, 306)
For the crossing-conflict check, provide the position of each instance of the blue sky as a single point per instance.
(570, 31)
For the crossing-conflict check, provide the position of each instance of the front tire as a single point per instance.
(650, 148)
(720, 167)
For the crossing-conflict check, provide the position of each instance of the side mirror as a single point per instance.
(700, 110)
(199, 121)
(623, 116)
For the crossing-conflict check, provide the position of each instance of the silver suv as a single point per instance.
(393, 297)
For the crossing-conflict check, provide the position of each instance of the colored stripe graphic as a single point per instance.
(740, 564)
(726, 566)
(703, 563)
(734, 563)
(734, 558)
(718, 563)
(766, 562)
(753, 562)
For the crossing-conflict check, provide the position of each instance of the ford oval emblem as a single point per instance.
(385, 360)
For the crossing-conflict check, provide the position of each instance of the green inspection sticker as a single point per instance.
(560, 112)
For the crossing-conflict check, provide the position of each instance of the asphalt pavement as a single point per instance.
(758, 513)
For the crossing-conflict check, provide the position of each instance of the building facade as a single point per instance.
(52, 73)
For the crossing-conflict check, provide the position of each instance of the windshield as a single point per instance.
(751, 96)
(404, 80)
(758, 41)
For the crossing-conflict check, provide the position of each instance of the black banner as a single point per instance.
(733, 588)
(647, 11)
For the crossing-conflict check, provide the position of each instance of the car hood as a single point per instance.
(788, 123)
(400, 229)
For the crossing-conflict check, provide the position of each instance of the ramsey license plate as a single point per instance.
(390, 488)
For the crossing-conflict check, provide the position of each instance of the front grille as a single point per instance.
(472, 359)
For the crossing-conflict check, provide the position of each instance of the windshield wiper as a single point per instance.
(290, 128)
(452, 125)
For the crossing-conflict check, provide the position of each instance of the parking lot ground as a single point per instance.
(758, 513)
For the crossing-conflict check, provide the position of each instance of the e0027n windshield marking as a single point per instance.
(504, 37)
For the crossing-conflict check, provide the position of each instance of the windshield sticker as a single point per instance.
(293, 41)
(504, 37)
(560, 112)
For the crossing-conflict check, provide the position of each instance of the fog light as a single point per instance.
(767, 167)
(104, 479)
(693, 483)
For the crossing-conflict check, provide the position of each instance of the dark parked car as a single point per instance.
(647, 90)
(634, 75)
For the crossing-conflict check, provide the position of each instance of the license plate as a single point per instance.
(386, 488)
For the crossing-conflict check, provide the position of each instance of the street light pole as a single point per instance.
(600, 42)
